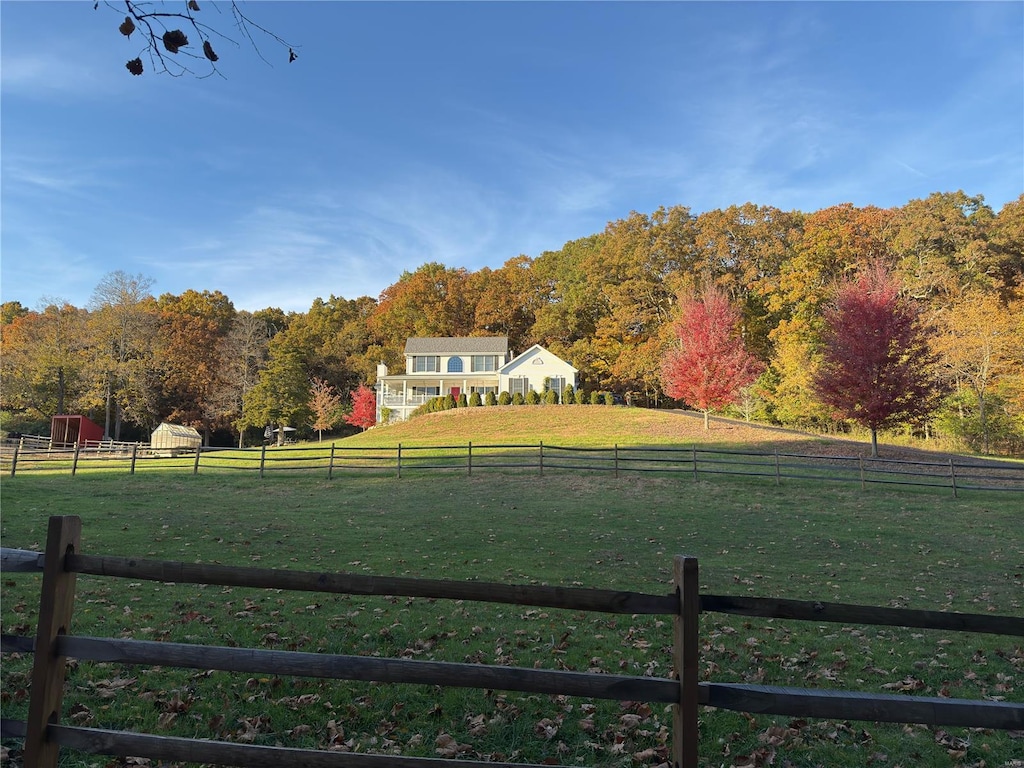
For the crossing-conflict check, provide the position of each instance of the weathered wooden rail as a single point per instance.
(44, 735)
(955, 475)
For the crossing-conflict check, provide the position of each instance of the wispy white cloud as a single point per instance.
(56, 74)
(337, 241)
(46, 175)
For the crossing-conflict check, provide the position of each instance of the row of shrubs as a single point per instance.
(568, 396)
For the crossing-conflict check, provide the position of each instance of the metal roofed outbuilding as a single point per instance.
(174, 438)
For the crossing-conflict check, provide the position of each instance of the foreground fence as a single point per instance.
(953, 474)
(44, 735)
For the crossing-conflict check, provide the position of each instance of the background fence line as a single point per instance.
(954, 474)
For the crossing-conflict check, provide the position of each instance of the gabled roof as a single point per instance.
(457, 345)
(178, 430)
(532, 351)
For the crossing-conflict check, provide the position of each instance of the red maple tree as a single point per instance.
(364, 408)
(710, 365)
(876, 366)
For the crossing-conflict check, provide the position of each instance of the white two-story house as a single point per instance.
(456, 365)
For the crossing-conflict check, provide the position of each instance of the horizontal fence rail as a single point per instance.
(806, 610)
(63, 561)
(843, 705)
(955, 474)
(367, 669)
(571, 598)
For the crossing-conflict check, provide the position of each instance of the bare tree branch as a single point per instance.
(176, 41)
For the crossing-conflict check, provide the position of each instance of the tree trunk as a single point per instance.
(874, 443)
(106, 417)
(983, 418)
(707, 421)
(61, 388)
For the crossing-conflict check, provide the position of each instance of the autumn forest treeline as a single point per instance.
(606, 302)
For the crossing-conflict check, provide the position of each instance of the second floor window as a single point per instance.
(485, 363)
(454, 365)
(424, 364)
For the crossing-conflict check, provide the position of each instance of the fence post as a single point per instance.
(135, 452)
(399, 460)
(195, 466)
(778, 474)
(14, 460)
(263, 459)
(469, 459)
(56, 603)
(541, 457)
(616, 459)
(685, 645)
(74, 461)
(330, 463)
(952, 477)
(860, 463)
(694, 448)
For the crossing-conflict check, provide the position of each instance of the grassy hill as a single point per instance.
(604, 426)
(573, 425)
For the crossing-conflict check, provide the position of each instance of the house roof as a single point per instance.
(532, 351)
(457, 345)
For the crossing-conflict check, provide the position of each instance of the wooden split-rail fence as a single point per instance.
(956, 475)
(45, 734)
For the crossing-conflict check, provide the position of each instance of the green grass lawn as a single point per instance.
(569, 425)
(914, 548)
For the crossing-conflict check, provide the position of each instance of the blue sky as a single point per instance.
(469, 133)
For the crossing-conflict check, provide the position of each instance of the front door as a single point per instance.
(456, 391)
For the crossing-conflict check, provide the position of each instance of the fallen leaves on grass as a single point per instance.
(107, 689)
(447, 746)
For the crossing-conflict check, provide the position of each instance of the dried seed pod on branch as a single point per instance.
(166, 26)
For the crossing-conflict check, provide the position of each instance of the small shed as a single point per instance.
(69, 430)
(175, 438)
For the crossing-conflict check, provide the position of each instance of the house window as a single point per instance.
(484, 390)
(519, 384)
(485, 363)
(429, 363)
(426, 391)
(454, 365)
(557, 383)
